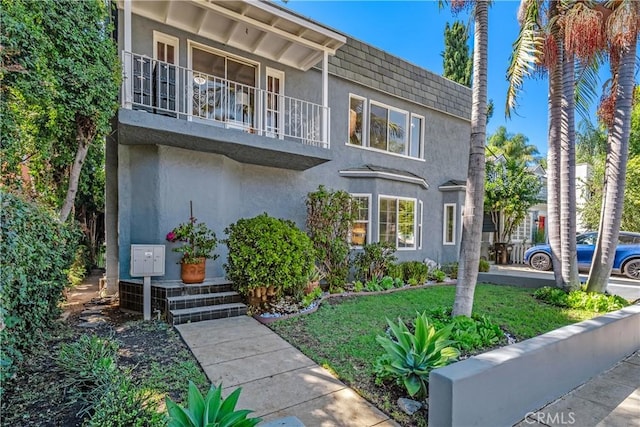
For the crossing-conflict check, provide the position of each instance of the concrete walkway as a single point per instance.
(611, 399)
(277, 380)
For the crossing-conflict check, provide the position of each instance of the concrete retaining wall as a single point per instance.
(499, 387)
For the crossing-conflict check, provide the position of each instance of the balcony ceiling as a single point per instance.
(258, 27)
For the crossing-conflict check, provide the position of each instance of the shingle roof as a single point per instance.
(375, 68)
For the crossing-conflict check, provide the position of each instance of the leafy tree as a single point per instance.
(510, 190)
(60, 85)
(513, 147)
(456, 59)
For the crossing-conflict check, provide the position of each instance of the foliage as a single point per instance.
(108, 394)
(469, 333)
(37, 252)
(510, 190)
(200, 241)
(395, 270)
(456, 59)
(437, 275)
(60, 85)
(484, 266)
(329, 218)
(358, 286)
(451, 269)
(312, 296)
(512, 147)
(124, 404)
(373, 261)
(265, 251)
(414, 272)
(593, 192)
(411, 356)
(210, 410)
(581, 300)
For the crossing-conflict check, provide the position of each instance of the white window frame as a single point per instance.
(369, 230)
(365, 121)
(166, 39)
(421, 147)
(389, 108)
(445, 225)
(278, 74)
(415, 222)
(421, 213)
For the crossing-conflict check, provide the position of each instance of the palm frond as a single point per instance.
(526, 48)
(588, 89)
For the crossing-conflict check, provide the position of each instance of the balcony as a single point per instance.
(195, 110)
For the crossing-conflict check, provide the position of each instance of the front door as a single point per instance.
(275, 103)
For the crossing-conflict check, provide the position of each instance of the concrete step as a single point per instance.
(209, 286)
(197, 314)
(199, 300)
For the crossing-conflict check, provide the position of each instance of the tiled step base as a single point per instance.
(197, 314)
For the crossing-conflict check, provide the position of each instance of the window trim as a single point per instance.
(166, 39)
(421, 147)
(445, 224)
(415, 222)
(421, 213)
(191, 44)
(365, 120)
(389, 108)
(369, 197)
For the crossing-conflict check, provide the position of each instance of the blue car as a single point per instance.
(627, 260)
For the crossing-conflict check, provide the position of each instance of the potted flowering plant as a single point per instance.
(199, 243)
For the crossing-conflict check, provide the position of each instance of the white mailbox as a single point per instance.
(147, 260)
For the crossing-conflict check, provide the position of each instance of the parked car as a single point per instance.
(626, 261)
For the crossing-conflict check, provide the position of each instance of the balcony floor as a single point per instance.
(137, 127)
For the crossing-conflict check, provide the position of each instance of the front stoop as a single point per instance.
(180, 303)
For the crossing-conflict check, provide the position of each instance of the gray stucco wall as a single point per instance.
(156, 183)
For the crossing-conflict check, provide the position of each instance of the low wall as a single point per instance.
(516, 279)
(499, 387)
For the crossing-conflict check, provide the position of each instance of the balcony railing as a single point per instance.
(175, 91)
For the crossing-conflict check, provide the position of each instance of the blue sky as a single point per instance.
(414, 30)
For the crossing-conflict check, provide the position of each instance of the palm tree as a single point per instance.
(622, 33)
(473, 215)
(513, 147)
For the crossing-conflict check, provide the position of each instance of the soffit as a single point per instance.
(257, 27)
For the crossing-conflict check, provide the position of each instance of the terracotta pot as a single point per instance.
(193, 273)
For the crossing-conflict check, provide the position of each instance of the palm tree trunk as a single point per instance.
(553, 167)
(615, 174)
(568, 219)
(474, 197)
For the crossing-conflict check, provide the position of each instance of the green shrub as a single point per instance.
(211, 410)
(411, 356)
(484, 266)
(395, 270)
(37, 252)
(311, 297)
(415, 272)
(581, 300)
(374, 260)
(451, 270)
(265, 251)
(469, 333)
(437, 275)
(330, 216)
(358, 286)
(124, 404)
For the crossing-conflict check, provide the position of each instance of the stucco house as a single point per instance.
(243, 107)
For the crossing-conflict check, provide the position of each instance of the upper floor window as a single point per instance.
(359, 235)
(386, 128)
(356, 123)
(397, 221)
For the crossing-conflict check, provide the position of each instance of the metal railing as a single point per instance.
(175, 91)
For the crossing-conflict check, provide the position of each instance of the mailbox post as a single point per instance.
(147, 261)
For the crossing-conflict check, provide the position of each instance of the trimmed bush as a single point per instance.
(266, 251)
(581, 300)
(484, 266)
(374, 260)
(37, 252)
(414, 272)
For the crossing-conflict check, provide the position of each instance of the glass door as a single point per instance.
(274, 110)
(165, 54)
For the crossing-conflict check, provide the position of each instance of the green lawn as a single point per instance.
(341, 335)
